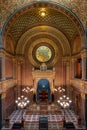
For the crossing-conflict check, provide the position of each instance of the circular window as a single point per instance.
(43, 54)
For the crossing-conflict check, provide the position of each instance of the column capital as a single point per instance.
(73, 59)
(84, 53)
(20, 59)
(3, 95)
(83, 95)
(4, 87)
(66, 60)
(2, 53)
(84, 68)
(14, 59)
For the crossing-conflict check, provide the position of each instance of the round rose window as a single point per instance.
(43, 54)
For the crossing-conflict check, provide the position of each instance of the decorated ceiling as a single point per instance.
(56, 25)
(7, 7)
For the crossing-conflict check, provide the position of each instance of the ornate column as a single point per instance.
(15, 76)
(2, 66)
(67, 74)
(63, 72)
(14, 68)
(19, 73)
(84, 56)
(73, 61)
(84, 64)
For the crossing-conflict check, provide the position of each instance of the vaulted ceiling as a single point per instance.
(60, 28)
(7, 7)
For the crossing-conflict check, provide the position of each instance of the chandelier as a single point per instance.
(22, 101)
(26, 89)
(61, 89)
(64, 101)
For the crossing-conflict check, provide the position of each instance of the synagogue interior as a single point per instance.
(43, 64)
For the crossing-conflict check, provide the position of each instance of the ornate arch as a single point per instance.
(38, 4)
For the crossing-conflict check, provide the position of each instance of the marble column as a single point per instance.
(14, 68)
(19, 77)
(66, 73)
(63, 72)
(19, 73)
(2, 66)
(73, 61)
(84, 64)
(67, 78)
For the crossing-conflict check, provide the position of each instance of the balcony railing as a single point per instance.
(6, 84)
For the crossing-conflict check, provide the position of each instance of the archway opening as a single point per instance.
(43, 91)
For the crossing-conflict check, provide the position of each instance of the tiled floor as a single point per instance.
(55, 117)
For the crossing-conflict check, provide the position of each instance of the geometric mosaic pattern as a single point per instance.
(31, 17)
(7, 7)
(54, 121)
